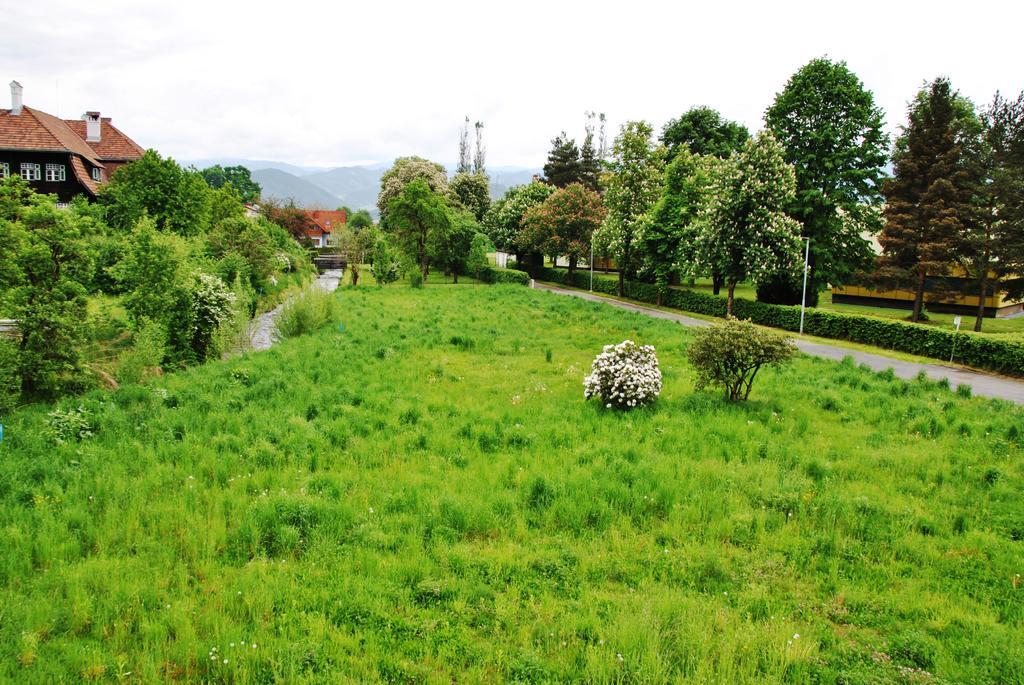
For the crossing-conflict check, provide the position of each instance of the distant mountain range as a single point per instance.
(353, 186)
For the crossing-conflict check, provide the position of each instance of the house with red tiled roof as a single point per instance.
(62, 157)
(324, 224)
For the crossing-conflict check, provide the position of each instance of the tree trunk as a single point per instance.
(728, 301)
(355, 276)
(455, 276)
(982, 287)
(918, 299)
(572, 267)
(716, 284)
(622, 282)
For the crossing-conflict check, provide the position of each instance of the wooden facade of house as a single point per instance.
(61, 157)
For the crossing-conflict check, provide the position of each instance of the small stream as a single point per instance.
(261, 329)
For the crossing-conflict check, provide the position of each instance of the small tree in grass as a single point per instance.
(386, 266)
(476, 261)
(730, 354)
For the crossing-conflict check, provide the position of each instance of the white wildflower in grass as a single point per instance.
(624, 376)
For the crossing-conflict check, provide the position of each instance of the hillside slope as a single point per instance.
(282, 186)
(424, 496)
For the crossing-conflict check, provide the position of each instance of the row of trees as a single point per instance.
(181, 257)
(709, 200)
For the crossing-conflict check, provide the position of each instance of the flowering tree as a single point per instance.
(745, 233)
(632, 187)
(624, 376)
(563, 224)
(404, 170)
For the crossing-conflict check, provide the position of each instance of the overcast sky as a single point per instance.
(336, 83)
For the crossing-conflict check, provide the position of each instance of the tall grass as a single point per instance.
(310, 310)
(426, 497)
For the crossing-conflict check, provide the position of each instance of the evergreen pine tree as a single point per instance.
(563, 166)
(929, 197)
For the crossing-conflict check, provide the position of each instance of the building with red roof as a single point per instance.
(324, 224)
(62, 157)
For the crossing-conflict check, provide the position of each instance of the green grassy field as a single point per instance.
(426, 497)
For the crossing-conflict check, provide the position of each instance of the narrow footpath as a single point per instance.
(984, 384)
(261, 329)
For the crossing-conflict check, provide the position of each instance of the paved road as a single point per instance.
(987, 385)
(261, 329)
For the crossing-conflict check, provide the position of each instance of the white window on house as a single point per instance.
(97, 174)
(55, 172)
(29, 171)
(5, 169)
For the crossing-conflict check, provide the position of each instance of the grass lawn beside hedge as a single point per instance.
(976, 350)
(426, 497)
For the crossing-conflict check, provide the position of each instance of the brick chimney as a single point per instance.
(15, 98)
(92, 127)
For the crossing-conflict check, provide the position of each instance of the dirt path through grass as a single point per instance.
(261, 330)
(987, 385)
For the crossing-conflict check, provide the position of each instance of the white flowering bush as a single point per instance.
(624, 376)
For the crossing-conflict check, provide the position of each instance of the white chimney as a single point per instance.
(92, 127)
(15, 98)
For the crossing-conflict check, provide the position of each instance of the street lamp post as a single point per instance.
(803, 296)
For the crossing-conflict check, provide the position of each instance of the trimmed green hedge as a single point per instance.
(494, 274)
(971, 349)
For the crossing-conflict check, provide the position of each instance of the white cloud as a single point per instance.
(332, 83)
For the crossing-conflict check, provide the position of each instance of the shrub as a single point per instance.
(624, 376)
(730, 354)
(70, 425)
(497, 275)
(10, 376)
(386, 267)
(309, 311)
(149, 345)
(415, 278)
(972, 349)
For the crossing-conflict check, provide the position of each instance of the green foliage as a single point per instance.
(152, 272)
(359, 219)
(978, 351)
(833, 134)
(563, 166)
(504, 220)
(494, 274)
(149, 346)
(387, 265)
(199, 316)
(402, 173)
(418, 218)
(356, 246)
(730, 354)
(670, 237)
(632, 187)
(473, 192)
(10, 375)
(703, 131)
(476, 261)
(45, 266)
(385, 504)
(449, 249)
(236, 177)
(177, 199)
(307, 312)
(70, 425)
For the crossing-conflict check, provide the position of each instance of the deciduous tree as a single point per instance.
(238, 177)
(703, 131)
(832, 133)
(416, 216)
(504, 220)
(404, 170)
(473, 192)
(562, 225)
(632, 187)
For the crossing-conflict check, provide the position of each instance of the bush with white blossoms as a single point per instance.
(624, 376)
